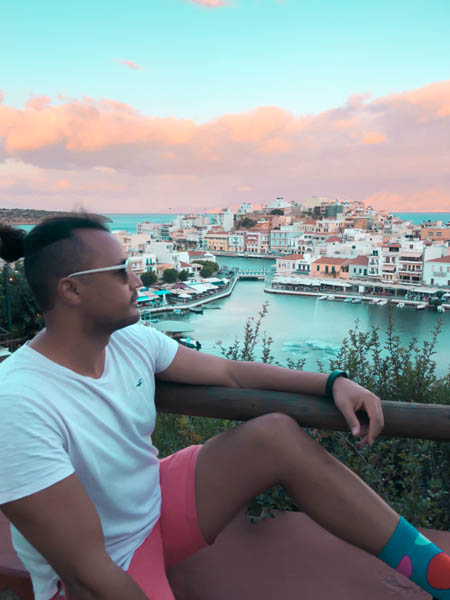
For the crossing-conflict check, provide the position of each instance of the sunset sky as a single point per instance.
(198, 104)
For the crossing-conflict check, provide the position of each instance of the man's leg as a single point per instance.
(235, 466)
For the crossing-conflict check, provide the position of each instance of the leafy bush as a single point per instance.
(412, 475)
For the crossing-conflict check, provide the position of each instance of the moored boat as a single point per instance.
(331, 297)
(348, 300)
(401, 305)
(382, 302)
(421, 307)
(375, 301)
(323, 297)
(356, 300)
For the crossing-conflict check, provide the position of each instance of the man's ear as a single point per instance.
(68, 290)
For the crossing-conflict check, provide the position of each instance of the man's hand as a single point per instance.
(350, 397)
(63, 525)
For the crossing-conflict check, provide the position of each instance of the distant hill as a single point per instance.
(31, 216)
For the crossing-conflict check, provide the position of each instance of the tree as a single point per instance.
(247, 223)
(183, 275)
(277, 211)
(25, 313)
(209, 267)
(148, 278)
(170, 275)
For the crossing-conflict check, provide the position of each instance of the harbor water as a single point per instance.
(305, 327)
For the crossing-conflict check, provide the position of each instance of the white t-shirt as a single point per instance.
(54, 422)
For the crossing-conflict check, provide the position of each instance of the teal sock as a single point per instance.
(412, 554)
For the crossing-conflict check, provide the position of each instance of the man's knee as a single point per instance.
(273, 430)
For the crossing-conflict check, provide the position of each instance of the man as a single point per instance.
(79, 478)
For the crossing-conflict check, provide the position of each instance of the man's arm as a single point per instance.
(63, 525)
(192, 367)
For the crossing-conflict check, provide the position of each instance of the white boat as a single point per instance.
(331, 297)
(323, 297)
(382, 302)
(375, 301)
(348, 300)
(401, 305)
(421, 307)
(356, 300)
(440, 308)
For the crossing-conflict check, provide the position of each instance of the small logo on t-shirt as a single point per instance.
(139, 383)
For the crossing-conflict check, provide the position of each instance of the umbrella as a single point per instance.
(174, 326)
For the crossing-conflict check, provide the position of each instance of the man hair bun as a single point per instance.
(12, 243)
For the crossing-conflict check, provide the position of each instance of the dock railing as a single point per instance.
(402, 419)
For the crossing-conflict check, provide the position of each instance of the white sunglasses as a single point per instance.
(122, 267)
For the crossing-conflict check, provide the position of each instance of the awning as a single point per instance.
(161, 292)
(173, 326)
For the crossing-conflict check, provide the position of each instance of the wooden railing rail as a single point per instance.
(402, 419)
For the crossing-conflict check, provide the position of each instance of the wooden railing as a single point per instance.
(402, 419)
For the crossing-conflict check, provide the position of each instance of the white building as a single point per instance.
(245, 208)
(224, 219)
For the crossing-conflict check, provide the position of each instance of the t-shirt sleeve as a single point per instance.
(32, 449)
(161, 348)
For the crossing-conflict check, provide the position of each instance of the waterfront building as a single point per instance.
(200, 255)
(236, 241)
(217, 239)
(374, 261)
(290, 263)
(437, 271)
(389, 259)
(330, 266)
(358, 268)
(257, 241)
(285, 240)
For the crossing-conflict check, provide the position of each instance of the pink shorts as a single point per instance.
(176, 535)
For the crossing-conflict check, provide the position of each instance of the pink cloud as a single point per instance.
(373, 137)
(391, 149)
(131, 65)
(38, 102)
(433, 199)
(208, 3)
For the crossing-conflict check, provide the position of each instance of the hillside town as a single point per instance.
(320, 245)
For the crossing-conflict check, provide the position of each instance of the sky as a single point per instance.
(191, 105)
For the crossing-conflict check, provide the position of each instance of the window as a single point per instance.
(318, 267)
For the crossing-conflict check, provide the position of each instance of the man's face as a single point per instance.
(108, 298)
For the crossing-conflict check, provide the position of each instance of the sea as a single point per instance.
(301, 327)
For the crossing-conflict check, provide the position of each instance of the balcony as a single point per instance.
(440, 274)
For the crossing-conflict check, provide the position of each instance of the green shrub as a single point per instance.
(412, 475)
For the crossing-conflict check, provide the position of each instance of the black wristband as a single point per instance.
(330, 381)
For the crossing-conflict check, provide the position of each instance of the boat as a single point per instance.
(356, 300)
(382, 302)
(331, 297)
(323, 297)
(421, 307)
(189, 343)
(374, 301)
(401, 305)
(440, 308)
(348, 300)
(197, 310)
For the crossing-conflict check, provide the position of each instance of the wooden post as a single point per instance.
(402, 419)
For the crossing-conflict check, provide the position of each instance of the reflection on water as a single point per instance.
(304, 327)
